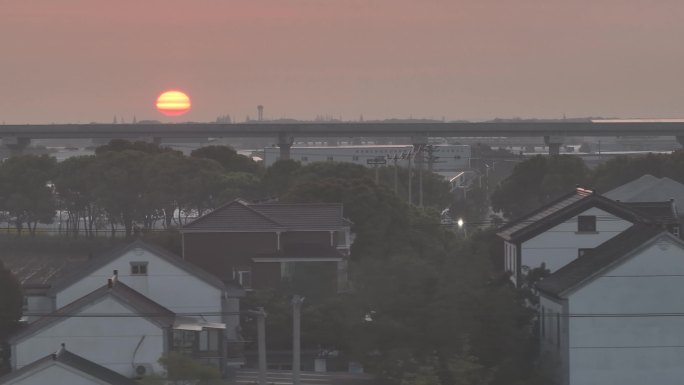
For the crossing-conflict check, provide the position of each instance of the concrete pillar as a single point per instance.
(296, 338)
(680, 139)
(285, 143)
(261, 344)
(554, 143)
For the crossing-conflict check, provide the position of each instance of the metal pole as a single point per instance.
(396, 175)
(410, 192)
(420, 175)
(261, 344)
(296, 338)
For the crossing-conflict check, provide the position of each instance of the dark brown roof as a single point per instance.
(562, 209)
(83, 270)
(304, 215)
(39, 270)
(240, 216)
(140, 304)
(74, 361)
(598, 259)
(304, 250)
(662, 212)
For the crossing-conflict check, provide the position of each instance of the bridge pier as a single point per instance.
(16, 145)
(554, 143)
(285, 141)
(680, 139)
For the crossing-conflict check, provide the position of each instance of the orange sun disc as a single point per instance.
(173, 103)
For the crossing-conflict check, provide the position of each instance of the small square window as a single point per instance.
(586, 223)
(305, 158)
(330, 158)
(138, 268)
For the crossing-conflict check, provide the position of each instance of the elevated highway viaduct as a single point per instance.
(19, 136)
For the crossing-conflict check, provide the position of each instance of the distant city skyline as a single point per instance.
(79, 61)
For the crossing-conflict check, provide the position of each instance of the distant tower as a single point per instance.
(260, 110)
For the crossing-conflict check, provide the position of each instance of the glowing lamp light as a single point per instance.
(173, 103)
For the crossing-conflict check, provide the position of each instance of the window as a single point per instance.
(355, 157)
(184, 341)
(138, 268)
(305, 158)
(586, 223)
(243, 275)
(209, 340)
(675, 231)
(582, 252)
(330, 159)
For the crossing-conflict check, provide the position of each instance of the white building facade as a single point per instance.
(611, 317)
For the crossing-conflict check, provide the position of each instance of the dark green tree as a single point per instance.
(536, 181)
(228, 158)
(25, 190)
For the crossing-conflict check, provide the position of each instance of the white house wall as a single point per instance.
(558, 246)
(631, 350)
(164, 283)
(107, 341)
(57, 374)
(38, 305)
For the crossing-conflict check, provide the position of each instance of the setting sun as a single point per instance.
(173, 103)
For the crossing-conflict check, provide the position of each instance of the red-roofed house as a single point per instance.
(259, 245)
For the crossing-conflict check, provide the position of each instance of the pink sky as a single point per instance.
(72, 61)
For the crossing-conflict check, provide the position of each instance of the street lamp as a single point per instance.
(461, 226)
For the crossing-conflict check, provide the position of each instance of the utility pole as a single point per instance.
(396, 175)
(296, 337)
(410, 188)
(261, 344)
(420, 162)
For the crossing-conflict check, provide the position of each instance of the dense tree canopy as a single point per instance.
(536, 181)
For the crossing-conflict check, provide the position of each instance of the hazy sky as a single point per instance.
(88, 60)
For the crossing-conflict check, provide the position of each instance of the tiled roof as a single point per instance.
(239, 216)
(661, 212)
(649, 189)
(304, 250)
(98, 262)
(304, 215)
(596, 260)
(74, 361)
(142, 306)
(565, 208)
(39, 270)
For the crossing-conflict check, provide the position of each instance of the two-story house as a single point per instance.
(65, 367)
(614, 315)
(155, 302)
(565, 229)
(261, 244)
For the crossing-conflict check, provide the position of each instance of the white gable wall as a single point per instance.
(56, 373)
(107, 341)
(164, 283)
(558, 246)
(631, 350)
